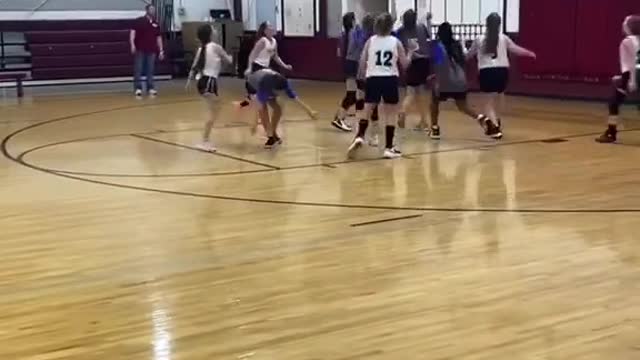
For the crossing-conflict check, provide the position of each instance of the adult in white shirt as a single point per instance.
(627, 81)
(206, 68)
(492, 51)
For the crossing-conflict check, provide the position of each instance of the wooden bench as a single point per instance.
(18, 77)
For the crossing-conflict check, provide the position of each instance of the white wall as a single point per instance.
(196, 10)
(470, 11)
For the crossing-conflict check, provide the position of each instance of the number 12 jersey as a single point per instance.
(382, 58)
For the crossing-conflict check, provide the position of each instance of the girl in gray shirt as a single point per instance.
(452, 81)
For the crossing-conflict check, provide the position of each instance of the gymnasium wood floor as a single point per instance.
(120, 241)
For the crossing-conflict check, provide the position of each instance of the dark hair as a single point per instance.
(368, 24)
(384, 24)
(409, 19)
(148, 6)
(262, 30)
(494, 21)
(347, 21)
(204, 35)
(452, 47)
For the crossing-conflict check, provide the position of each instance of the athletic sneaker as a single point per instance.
(435, 132)
(374, 141)
(271, 142)
(392, 153)
(153, 93)
(355, 145)
(340, 124)
(207, 146)
(609, 136)
(493, 130)
(138, 93)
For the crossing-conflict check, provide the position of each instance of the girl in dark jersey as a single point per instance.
(627, 81)
(266, 85)
(419, 72)
(348, 42)
(451, 81)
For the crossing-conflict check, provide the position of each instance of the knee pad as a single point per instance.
(349, 100)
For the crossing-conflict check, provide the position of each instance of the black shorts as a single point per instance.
(383, 88)
(255, 67)
(418, 72)
(444, 96)
(208, 85)
(494, 80)
(350, 69)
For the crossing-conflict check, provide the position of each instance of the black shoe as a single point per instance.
(340, 124)
(492, 130)
(271, 142)
(609, 136)
(435, 132)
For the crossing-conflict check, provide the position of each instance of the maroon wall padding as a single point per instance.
(79, 49)
(85, 72)
(576, 40)
(76, 36)
(65, 25)
(76, 54)
(82, 60)
(312, 58)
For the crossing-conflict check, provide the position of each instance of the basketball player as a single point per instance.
(266, 84)
(206, 68)
(451, 81)
(348, 44)
(265, 50)
(492, 51)
(418, 73)
(380, 61)
(627, 81)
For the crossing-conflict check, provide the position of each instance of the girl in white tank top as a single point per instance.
(265, 50)
(206, 68)
(492, 52)
(627, 81)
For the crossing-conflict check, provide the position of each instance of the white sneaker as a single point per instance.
(392, 153)
(207, 146)
(355, 145)
(153, 93)
(138, 94)
(373, 141)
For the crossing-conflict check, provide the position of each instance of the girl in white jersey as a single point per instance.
(265, 50)
(206, 68)
(627, 81)
(492, 51)
(379, 62)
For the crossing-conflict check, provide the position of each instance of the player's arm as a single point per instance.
(518, 50)
(193, 71)
(364, 58)
(404, 57)
(473, 51)
(291, 94)
(223, 54)
(279, 61)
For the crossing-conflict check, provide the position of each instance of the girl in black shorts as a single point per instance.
(206, 68)
(627, 81)
(492, 51)
(451, 81)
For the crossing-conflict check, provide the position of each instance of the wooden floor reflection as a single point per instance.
(120, 241)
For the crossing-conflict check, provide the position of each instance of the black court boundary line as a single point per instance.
(375, 222)
(20, 161)
(217, 153)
